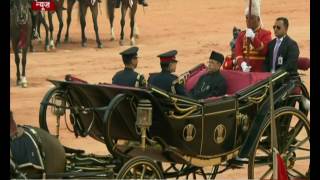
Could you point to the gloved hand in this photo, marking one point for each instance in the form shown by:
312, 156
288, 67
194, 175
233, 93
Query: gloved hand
249, 33
234, 61
245, 67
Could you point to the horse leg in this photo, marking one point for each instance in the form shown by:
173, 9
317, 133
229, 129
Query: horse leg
24, 82
38, 23
46, 27
124, 7
110, 6
70, 4
51, 30
17, 61
59, 15
94, 12
83, 12
132, 23
136, 31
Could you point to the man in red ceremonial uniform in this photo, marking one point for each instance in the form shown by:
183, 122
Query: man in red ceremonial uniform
258, 38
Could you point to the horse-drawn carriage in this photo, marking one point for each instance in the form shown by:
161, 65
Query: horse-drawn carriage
155, 134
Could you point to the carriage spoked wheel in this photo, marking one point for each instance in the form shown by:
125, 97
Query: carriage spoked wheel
140, 167
109, 140
293, 146
173, 170
54, 114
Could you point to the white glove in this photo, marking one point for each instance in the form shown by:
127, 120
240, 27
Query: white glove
245, 67
234, 61
249, 33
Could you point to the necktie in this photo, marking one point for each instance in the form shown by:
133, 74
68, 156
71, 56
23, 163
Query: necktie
275, 52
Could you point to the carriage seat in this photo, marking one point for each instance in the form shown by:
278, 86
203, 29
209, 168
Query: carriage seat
236, 80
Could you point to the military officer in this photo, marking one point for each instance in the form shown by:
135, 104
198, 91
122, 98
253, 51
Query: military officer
165, 79
252, 59
128, 77
212, 83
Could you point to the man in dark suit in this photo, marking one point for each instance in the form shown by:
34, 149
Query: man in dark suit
165, 79
128, 77
283, 52
212, 83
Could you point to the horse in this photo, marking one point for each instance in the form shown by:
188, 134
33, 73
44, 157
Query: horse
34, 153
125, 4
20, 35
83, 6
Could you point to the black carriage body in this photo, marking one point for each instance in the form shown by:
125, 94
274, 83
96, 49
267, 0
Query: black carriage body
204, 129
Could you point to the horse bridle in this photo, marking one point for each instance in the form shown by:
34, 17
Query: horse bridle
23, 10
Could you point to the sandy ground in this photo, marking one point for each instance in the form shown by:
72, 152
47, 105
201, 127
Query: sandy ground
192, 27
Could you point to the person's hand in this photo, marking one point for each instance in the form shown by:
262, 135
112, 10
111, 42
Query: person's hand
234, 61
249, 33
245, 67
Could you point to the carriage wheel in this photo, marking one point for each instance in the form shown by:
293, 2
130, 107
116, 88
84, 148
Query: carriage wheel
294, 147
306, 94
108, 139
52, 118
140, 167
173, 170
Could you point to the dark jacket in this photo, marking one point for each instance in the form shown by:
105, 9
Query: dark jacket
209, 84
128, 77
164, 80
287, 57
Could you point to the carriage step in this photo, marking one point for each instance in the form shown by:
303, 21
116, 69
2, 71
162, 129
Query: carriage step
78, 174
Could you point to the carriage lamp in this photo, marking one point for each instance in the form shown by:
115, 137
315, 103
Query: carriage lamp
58, 110
144, 119
59, 104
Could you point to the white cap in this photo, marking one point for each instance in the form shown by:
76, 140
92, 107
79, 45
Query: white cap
255, 8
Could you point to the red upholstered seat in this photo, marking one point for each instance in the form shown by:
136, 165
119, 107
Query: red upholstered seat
236, 80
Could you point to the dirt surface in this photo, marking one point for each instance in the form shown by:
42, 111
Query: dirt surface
192, 27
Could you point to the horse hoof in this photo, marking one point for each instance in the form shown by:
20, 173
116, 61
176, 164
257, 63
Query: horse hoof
66, 40
84, 44
121, 42
24, 85
58, 44
47, 48
52, 44
19, 82
24, 82
112, 38
133, 42
100, 46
